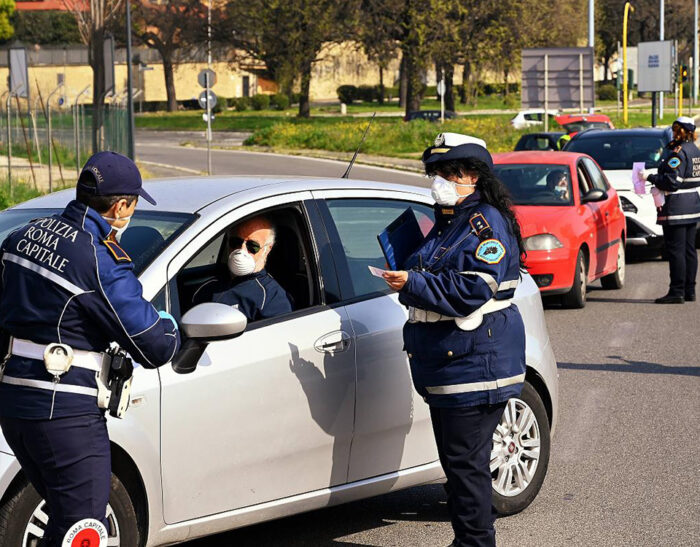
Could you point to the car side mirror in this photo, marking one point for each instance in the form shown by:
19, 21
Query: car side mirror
594, 195
202, 324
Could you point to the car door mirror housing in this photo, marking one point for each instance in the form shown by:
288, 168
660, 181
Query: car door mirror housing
594, 195
212, 321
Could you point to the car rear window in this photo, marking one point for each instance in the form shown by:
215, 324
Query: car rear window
149, 232
619, 151
534, 183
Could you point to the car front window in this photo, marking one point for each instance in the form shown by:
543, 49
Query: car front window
536, 184
149, 232
616, 151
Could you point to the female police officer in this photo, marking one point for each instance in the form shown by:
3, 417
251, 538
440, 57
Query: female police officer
464, 337
678, 179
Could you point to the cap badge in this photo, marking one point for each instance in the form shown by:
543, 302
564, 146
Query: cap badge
440, 139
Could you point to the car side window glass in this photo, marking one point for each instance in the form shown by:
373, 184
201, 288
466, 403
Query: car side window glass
584, 184
291, 283
358, 223
596, 176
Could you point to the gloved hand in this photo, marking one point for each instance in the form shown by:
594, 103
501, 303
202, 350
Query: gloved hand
166, 315
644, 173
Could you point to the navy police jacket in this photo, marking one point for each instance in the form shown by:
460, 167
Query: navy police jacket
257, 296
469, 258
679, 177
63, 279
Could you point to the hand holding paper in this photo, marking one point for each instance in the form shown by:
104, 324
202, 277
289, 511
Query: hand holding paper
638, 177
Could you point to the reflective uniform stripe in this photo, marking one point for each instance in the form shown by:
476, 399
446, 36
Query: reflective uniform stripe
476, 386
689, 179
49, 386
509, 285
43, 272
90, 360
679, 217
684, 191
490, 280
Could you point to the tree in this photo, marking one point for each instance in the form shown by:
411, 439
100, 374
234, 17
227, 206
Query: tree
377, 29
171, 28
288, 36
46, 27
93, 27
7, 8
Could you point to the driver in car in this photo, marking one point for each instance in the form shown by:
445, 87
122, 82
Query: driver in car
250, 288
558, 184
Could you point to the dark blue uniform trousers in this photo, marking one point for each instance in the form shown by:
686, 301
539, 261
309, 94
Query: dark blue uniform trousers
68, 461
682, 258
464, 439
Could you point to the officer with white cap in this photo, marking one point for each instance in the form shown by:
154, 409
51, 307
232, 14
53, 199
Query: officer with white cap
464, 337
678, 181
67, 292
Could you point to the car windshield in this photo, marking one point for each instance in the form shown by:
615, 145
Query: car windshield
575, 127
149, 232
613, 150
537, 184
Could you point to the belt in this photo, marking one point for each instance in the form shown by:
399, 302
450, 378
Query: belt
470, 322
90, 360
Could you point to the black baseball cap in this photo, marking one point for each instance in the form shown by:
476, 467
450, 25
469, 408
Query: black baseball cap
113, 174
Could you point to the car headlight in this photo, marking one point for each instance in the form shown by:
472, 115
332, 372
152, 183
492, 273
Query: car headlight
542, 242
627, 205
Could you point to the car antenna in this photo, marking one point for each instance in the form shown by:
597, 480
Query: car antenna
352, 161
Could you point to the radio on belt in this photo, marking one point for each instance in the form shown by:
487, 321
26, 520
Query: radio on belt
114, 381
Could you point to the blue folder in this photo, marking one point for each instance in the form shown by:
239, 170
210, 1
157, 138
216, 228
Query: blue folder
400, 239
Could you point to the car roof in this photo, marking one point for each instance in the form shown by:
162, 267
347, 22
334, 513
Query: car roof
538, 156
593, 133
568, 118
191, 194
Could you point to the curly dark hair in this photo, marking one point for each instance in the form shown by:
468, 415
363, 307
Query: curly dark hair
492, 191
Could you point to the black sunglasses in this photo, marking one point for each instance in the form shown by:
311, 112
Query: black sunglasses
252, 246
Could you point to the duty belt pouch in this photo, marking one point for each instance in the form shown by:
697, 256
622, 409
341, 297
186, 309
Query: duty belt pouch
114, 382
4, 350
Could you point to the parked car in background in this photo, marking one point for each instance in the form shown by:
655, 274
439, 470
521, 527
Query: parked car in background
573, 123
287, 414
530, 118
539, 141
430, 115
615, 151
573, 234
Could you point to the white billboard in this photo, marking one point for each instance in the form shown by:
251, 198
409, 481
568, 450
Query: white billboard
655, 66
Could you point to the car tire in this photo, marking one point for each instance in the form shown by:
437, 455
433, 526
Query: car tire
616, 280
22, 512
576, 297
520, 456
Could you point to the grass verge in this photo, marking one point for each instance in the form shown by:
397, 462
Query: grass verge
21, 191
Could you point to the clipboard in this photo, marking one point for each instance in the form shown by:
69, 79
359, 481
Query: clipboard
400, 239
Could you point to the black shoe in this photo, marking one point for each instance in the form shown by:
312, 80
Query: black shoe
690, 297
670, 299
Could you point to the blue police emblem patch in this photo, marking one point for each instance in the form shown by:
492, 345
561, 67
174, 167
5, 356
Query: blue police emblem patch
491, 251
674, 162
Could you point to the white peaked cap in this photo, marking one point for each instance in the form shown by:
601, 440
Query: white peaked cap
685, 119
456, 139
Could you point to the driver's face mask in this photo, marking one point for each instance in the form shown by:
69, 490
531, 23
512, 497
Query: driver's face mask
559, 191
241, 263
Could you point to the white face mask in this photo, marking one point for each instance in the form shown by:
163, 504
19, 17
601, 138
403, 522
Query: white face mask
444, 191
241, 263
118, 231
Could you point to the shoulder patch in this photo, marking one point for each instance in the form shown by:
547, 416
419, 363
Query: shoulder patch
118, 253
490, 251
674, 162
480, 226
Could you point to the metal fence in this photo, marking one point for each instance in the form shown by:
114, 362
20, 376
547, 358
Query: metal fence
48, 147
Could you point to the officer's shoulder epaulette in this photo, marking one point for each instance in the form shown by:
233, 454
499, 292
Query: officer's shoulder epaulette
116, 251
480, 225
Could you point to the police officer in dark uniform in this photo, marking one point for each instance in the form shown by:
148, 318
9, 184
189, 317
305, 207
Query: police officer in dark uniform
465, 338
67, 292
251, 288
678, 179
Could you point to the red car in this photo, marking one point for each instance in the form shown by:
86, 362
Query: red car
573, 123
571, 221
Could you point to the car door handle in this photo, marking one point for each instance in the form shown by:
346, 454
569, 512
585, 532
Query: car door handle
333, 342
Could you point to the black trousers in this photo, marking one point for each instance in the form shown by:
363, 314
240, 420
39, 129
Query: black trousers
464, 440
68, 461
682, 258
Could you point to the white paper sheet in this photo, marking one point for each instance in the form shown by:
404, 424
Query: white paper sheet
637, 180
377, 272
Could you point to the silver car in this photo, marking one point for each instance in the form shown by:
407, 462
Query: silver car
290, 414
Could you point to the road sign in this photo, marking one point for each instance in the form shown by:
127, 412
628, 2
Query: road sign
206, 119
202, 77
203, 99
441, 87
655, 66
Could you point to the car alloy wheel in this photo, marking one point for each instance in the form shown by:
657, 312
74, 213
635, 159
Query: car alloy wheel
516, 449
616, 280
37, 524
520, 452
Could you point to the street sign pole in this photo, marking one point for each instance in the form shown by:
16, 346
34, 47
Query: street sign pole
208, 127
441, 91
661, 38
129, 91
